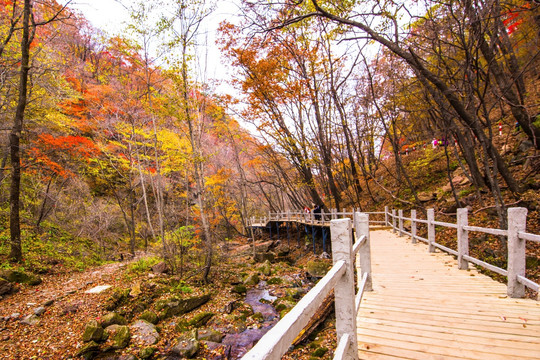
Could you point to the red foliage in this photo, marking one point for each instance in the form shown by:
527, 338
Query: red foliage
50, 152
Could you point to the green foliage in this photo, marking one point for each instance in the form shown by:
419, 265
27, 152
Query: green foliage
466, 192
143, 265
181, 287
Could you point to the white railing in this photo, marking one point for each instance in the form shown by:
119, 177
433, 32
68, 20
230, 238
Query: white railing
516, 236
340, 278
310, 217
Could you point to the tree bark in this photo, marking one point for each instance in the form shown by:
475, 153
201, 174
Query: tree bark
15, 138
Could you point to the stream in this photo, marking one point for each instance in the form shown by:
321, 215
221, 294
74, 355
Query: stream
241, 343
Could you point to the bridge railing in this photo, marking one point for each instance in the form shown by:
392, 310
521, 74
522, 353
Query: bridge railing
339, 278
323, 218
515, 234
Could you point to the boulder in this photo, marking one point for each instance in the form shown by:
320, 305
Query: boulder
127, 357
147, 353
149, 316
231, 306
426, 196
160, 268
145, 332
525, 146
317, 268
93, 332
118, 297
30, 320
70, 309
20, 277
39, 311
135, 290
239, 289
5, 286
209, 335
324, 255
186, 347
88, 351
264, 246
201, 319
217, 351
262, 257
113, 318
251, 280
296, 292
122, 337
266, 268
178, 306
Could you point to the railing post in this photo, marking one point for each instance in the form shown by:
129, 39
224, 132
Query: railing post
361, 226
431, 229
413, 226
394, 221
344, 291
462, 238
400, 215
517, 221
386, 223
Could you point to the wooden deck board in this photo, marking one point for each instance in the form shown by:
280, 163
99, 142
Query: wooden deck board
423, 307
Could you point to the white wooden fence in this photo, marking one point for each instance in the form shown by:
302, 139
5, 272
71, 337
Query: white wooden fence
340, 278
516, 236
312, 218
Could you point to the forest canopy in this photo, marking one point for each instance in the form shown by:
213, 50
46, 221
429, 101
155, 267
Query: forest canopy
110, 144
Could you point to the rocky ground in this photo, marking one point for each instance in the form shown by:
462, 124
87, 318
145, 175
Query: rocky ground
114, 312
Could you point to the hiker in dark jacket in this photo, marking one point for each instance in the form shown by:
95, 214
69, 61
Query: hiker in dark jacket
317, 211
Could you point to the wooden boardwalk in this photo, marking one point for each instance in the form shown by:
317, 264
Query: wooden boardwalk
423, 307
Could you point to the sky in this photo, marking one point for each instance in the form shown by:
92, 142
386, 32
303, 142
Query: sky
110, 16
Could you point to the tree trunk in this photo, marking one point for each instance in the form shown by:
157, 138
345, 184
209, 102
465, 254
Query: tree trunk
15, 139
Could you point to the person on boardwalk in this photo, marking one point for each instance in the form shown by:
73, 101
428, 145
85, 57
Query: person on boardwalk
317, 212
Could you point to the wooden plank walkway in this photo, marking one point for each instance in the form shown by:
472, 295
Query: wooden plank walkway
423, 307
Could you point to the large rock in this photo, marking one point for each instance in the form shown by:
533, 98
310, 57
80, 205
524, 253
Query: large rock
209, 335
266, 268
178, 306
145, 332
121, 338
88, 351
262, 257
147, 353
426, 196
525, 146
149, 316
118, 297
5, 287
20, 277
318, 268
30, 320
93, 332
39, 311
251, 280
161, 268
186, 347
201, 319
113, 318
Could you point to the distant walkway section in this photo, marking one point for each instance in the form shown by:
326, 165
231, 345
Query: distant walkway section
423, 307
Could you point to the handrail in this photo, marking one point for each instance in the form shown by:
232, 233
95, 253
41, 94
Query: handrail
276, 342
517, 237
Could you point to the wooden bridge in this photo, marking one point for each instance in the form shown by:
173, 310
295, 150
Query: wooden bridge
424, 304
